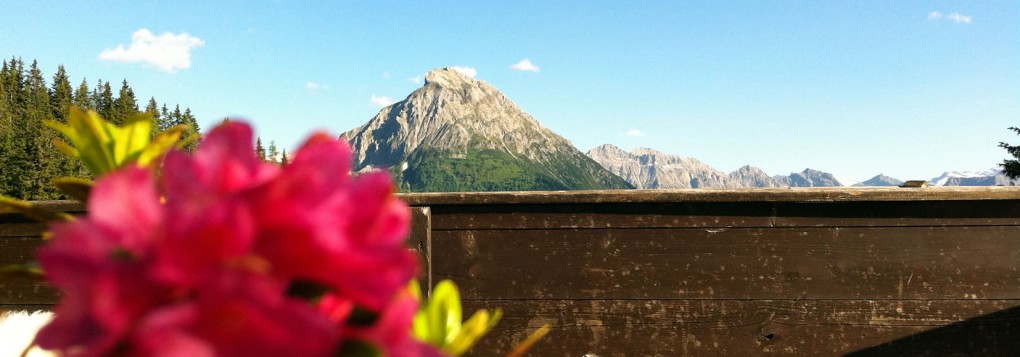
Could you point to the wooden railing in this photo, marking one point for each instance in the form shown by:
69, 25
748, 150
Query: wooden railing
920, 271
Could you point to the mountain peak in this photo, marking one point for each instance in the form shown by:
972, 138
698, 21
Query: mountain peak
457, 133
447, 77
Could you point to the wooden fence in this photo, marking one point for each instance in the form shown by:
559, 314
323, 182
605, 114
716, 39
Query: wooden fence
919, 271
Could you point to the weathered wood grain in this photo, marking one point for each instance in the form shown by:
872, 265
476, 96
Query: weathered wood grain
23, 291
929, 271
743, 263
812, 194
18, 250
8, 230
59, 206
728, 214
420, 239
756, 327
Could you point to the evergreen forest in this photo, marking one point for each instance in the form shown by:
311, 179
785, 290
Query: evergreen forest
28, 158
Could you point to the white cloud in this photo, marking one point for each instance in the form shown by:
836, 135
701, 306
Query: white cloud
315, 86
634, 132
957, 18
467, 71
524, 65
381, 101
954, 17
167, 52
415, 79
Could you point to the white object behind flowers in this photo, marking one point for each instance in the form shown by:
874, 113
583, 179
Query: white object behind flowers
18, 328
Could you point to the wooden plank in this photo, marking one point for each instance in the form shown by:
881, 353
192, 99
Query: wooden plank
812, 194
60, 206
897, 213
755, 327
728, 214
18, 250
8, 230
744, 263
597, 216
23, 291
20, 307
420, 240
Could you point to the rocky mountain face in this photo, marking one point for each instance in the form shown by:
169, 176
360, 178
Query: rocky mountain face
808, 178
647, 168
750, 176
880, 180
460, 134
992, 177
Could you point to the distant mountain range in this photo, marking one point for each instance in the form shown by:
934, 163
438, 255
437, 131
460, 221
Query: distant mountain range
880, 180
650, 169
992, 177
456, 133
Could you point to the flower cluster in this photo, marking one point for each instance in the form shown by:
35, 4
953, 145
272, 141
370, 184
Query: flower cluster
224, 255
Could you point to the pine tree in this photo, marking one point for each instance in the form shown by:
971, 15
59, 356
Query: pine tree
125, 105
152, 109
1011, 167
273, 153
6, 128
165, 120
82, 98
284, 160
191, 123
259, 150
44, 161
61, 95
102, 101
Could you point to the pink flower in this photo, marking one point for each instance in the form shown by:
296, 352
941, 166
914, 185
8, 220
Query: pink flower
99, 264
316, 224
210, 271
237, 314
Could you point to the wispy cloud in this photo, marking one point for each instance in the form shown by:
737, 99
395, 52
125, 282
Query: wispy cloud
634, 133
954, 17
524, 65
467, 71
314, 86
381, 101
167, 52
415, 79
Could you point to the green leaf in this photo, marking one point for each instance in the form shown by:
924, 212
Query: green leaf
525, 345
76, 188
473, 329
438, 321
160, 144
26, 208
444, 313
103, 147
30, 270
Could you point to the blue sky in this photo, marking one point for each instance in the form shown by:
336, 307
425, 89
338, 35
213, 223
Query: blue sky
856, 88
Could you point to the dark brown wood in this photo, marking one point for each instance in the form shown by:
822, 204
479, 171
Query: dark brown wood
728, 214
18, 250
812, 194
832, 271
755, 327
420, 240
22, 307
24, 291
726, 263
61, 206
